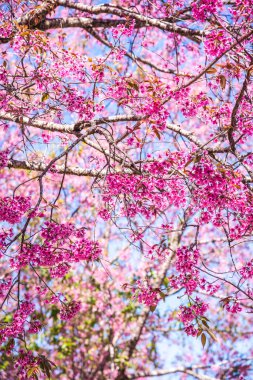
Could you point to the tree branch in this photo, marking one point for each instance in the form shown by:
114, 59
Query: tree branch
34, 16
235, 109
66, 128
60, 169
78, 127
124, 12
186, 370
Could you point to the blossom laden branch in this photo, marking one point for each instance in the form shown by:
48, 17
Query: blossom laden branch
123, 12
59, 169
34, 17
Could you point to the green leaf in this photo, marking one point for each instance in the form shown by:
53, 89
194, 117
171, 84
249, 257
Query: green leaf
212, 335
189, 162
197, 159
47, 369
52, 363
152, 308
45, 96
205, 324
46, 365
162, 295
205, 318
133, 84
32, 372
223, 82
212, 70
157, 133
166, 281
203, 340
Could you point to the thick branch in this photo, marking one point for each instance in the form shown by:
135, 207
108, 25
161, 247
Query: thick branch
66, 128
124, 12
38, 14
191, 370
60, 169
80, 22
34, 17
186, 370
190, 136
85, 22
78, 127
235, 109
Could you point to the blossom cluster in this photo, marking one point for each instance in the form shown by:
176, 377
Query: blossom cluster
145, 195
202, 9
5, 284
62, 244
189, 313
123, 30
247, 270
13, 209
217, 42
146, 294
19, 321
4, 158
188, 276
69, 310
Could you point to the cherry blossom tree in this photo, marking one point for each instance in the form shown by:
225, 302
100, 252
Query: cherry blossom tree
126, 203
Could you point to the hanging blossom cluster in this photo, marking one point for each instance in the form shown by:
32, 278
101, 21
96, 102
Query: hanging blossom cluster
27, 365
4, 236
207, 181
216, 189
6, 27
25, 360
195, 312
69, 310
19, 322
146, 294
144, 195
233, 307
247, 271
123, 30
5, 284
25, 319
128, 91
217, 42
3, 156
188, 275
202, 9
186, 260
62, 244
13, 209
